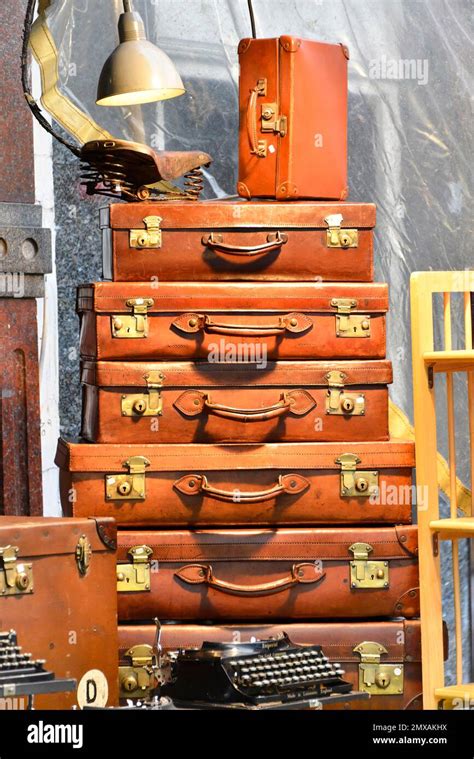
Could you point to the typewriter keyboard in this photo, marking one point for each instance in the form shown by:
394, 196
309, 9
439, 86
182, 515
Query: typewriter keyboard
18, 666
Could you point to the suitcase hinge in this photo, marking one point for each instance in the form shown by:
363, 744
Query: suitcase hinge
128, 487
374, 677
136, 325
365, 573
338, 401
150, 237
356, 483
16, 577
149, 403
271, 122
139, 678
347, 324
135, 577
337, 237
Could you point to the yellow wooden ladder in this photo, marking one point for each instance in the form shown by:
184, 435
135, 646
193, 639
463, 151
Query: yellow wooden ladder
428, 362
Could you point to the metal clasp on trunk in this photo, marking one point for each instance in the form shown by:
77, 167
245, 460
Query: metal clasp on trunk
377, 678
128, 487
135, 577
136, 325
271, 122
365, 573
338, 401
149, 403
356, 483
150, 237
348, 324
138, 679
337, 237
16, 578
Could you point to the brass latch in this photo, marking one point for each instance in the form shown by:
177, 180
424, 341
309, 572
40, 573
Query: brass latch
150, 237
128, 487
149, 403
83, 554
271, 122
135, 325
365, 573
374, 677
339, 401
16, 577
337, 237
348, 324
356, 483
135, 577
139, 678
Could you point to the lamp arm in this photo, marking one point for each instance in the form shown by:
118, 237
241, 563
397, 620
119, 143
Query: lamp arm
35, 109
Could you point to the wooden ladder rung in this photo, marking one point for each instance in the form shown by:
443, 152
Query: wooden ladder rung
450, 529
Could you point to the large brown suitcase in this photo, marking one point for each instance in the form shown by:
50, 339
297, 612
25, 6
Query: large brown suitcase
238, 485
268, 574
236, 322
293, 119
381, 658
200, 402
58, 591
225, 240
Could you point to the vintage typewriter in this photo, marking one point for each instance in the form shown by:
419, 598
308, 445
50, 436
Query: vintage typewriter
266, 672
21, 675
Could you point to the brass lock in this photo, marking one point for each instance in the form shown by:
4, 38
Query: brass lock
378, 678
149, 403
356, 482
83, 554
130, 486
271, 122
339, 402
337, 237
139, 678
16, 577
366, 573
347, 323
135, 325
150, 237
135, 577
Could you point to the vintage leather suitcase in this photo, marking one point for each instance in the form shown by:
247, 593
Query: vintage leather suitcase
381, 658
238, 322
225, 240
201, 402
293, 119
268, 574
57, 590
265, 485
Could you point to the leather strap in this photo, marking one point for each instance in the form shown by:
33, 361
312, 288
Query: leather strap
198, 484
294, 322
275, 242
203, 574
194, 402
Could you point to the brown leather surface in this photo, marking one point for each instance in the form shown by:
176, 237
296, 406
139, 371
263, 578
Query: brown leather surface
401, 639
207, 402
217, 575
203, 241
69, 619
245, 314
307, 81
238, 485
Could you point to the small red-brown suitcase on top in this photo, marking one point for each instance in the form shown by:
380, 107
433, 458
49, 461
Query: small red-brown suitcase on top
381, 658
237, 322
57, 591
202, 402
293, 119
225, 240
239, 485
338, 573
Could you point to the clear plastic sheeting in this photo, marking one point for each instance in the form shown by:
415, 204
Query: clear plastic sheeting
410, 124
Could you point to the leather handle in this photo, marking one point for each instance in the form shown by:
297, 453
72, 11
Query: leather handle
294, 322
203, 574
274, 242
198, 484
252, 122
194, 402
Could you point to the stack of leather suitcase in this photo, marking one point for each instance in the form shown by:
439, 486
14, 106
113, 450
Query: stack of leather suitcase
235, 403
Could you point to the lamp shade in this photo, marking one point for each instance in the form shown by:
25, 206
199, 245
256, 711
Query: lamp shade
137, 71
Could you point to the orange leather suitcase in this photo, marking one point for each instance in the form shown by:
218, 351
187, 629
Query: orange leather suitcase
227, 240
57, 591
201, 402
236, 322
380, 658
320, 573
238, 485
293, 119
